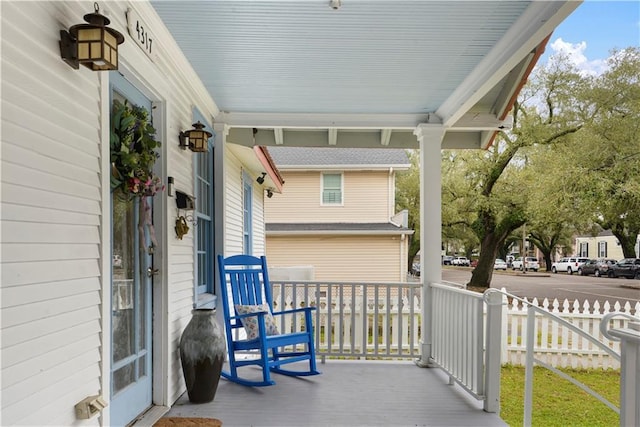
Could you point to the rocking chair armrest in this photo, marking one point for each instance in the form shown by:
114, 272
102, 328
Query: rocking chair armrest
254, 314
294, 310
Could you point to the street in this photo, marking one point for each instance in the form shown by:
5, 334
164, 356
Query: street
561, 286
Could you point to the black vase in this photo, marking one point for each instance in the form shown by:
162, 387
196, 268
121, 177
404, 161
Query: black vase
202, 353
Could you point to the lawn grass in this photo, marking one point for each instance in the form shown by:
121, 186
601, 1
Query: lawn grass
556, 401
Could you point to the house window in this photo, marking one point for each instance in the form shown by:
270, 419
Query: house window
584, 249
247, 215
331, 188
602, 249
203, 217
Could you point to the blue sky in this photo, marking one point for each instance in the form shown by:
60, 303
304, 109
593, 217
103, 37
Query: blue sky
593, 29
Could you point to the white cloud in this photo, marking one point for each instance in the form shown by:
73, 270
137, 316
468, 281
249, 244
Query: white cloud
575, 53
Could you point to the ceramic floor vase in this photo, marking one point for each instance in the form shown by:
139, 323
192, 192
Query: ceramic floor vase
202, 353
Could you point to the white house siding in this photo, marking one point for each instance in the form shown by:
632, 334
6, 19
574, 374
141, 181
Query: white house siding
339, 258
366, 199
55, 341
233, 205
50, 225
234, 225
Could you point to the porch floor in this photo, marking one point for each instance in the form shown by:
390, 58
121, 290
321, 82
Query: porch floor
347, 393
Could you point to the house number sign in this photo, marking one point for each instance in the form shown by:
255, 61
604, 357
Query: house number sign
141, 34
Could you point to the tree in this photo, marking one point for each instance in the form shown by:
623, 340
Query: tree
544, 114
408, 197
607, 167
553, 215
458, 205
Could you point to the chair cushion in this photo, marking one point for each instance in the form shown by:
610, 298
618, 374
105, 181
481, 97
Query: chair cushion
251, 323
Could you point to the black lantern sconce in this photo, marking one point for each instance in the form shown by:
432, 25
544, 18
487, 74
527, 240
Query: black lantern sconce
198, 139
93, 45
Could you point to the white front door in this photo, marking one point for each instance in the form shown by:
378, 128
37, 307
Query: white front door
131, 290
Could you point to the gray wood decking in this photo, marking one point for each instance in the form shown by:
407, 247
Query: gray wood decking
359, 393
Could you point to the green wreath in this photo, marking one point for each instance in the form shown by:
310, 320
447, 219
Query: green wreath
133, 151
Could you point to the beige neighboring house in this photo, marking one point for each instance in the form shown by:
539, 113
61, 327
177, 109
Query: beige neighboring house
604, 245
337, 220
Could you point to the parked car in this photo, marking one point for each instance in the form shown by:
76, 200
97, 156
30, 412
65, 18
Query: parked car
568, 264
530, 263
597, 267
500, 264
461, 261
446, 260
627, 267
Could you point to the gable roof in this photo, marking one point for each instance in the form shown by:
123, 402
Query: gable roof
287, 158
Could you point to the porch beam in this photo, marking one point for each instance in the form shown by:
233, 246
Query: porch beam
320, 138
430, 138
325, 120
483, 122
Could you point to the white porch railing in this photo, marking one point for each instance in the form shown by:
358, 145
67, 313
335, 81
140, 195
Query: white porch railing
534, 333
470, 333
382, 320
630, 369
356, 319
464, 345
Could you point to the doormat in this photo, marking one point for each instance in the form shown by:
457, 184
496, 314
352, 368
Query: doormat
187, 422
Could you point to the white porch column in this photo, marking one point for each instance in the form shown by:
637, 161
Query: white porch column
219, 203
430, 138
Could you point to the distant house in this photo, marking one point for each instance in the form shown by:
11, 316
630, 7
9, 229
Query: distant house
603, 245
337, 219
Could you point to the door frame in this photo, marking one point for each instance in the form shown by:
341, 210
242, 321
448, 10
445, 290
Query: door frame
159, 302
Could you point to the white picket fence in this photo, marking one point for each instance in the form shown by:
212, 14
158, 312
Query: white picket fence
557, 345
352, 323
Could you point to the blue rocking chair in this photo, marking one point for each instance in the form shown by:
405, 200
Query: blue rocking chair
247, 303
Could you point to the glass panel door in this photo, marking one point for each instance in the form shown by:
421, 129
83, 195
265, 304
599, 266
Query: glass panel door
131, 383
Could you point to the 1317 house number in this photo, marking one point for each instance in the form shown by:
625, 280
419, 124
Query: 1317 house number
140, 32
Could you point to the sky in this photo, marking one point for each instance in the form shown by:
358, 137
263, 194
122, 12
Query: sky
593, 30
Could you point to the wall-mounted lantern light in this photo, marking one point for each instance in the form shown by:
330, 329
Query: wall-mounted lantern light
93, 45
196, 139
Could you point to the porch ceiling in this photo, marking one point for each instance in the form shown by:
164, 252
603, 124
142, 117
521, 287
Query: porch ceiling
365, 74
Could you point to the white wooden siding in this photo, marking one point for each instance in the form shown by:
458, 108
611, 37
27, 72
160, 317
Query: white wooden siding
366, 198
53, 212
340, 258
51, 320
233, 205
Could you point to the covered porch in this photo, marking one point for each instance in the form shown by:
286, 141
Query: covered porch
424, 75
348, 393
